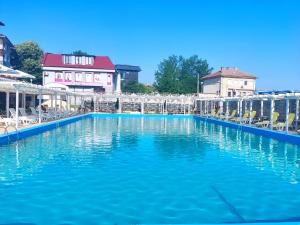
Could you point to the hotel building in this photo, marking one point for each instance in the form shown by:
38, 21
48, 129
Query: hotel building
81, 73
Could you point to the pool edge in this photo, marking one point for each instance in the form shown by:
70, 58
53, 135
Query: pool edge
280, 136
39, 128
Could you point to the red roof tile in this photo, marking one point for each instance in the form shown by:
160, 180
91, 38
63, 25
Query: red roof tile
229, 72
56, 60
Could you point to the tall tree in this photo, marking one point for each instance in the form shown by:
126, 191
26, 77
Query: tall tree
179, 75
28, 59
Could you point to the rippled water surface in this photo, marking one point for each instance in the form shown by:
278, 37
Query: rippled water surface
148, 170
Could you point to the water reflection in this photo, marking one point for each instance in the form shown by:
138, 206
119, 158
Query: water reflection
98, 139
263, 153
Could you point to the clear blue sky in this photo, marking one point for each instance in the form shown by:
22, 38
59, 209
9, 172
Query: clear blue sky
261, 37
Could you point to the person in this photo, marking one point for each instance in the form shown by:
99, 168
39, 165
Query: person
43, 108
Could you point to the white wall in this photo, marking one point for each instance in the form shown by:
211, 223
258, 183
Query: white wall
211, 86
242, 86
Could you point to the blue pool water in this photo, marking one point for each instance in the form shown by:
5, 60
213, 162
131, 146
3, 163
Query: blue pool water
130, 170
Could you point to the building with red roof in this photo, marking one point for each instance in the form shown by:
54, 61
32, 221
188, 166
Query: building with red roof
229, 82
82, 73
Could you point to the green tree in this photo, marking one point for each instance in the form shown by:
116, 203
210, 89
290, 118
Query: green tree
79, 52
28, 59
179, 75
132, 87
135, 87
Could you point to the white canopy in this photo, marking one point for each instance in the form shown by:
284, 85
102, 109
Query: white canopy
8, 72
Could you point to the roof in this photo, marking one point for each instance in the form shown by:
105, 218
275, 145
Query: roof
128, 68
229, 72
56, 60
6, 38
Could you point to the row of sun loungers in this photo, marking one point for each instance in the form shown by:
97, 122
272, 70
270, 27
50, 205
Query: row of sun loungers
33, 117
264, 123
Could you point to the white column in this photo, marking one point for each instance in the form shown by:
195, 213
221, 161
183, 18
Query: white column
55, 101
51, 97
297, 114
23, 100
241, 110
250, 110
142, 107
287, 111
118, 84
7, 104
272, 106
75, 103
95, 103
166, 109
40, 104
17, 108
70, 101
200, 107
227, 110
60, 102
261, 108
221, 106
120, 106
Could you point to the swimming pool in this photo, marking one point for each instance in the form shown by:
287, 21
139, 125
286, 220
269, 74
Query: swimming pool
126, 169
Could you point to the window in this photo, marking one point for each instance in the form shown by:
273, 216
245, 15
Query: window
77, 59
68, 76
90, 60
89, 77
78, 77
82, 60
67, 59
229, 93
58, 76
245, 83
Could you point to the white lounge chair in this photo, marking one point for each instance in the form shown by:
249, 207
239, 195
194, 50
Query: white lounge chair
44, 116
22, 119
7, 121
24, 114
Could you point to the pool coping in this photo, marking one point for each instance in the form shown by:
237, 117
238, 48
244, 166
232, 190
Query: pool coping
40, 128
36, 129
280, 136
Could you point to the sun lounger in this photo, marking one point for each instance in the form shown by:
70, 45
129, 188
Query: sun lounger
266, 123
44, 116
252, 116
22, 119
24, 114
213, 113
7, 121
231, 116
238, 119
281, 125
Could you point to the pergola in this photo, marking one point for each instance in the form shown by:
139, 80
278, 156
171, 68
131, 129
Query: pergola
270, 98
17, 87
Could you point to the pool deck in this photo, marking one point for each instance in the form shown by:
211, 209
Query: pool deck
33, 129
